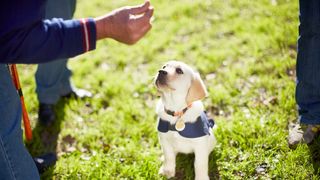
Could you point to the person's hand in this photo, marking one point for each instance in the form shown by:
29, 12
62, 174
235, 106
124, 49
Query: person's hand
127, 24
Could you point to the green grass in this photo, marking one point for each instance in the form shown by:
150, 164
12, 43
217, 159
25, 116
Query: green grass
245, 52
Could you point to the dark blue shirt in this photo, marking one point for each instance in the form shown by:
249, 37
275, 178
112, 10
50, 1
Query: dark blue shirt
25, 37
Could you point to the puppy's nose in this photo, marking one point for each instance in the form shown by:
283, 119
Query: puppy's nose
162, 72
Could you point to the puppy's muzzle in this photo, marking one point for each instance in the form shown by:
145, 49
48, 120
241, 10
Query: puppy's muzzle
162, 78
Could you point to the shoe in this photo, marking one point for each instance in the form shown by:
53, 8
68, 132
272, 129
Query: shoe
302, 133
45, 161
78, 93
46, 114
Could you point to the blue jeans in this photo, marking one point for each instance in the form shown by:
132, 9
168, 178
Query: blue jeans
308, 62
53, 78
15, 161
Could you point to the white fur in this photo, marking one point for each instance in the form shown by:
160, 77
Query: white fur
171, 142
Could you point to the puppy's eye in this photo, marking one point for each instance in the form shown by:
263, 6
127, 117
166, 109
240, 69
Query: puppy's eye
179, 71
163, 67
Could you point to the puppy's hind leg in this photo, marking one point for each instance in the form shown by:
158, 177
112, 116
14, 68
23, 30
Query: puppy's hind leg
168, 168
201, 164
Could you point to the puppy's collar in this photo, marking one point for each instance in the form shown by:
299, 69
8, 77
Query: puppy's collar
177, 113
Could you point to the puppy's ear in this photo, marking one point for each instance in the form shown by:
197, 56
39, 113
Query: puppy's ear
197, 90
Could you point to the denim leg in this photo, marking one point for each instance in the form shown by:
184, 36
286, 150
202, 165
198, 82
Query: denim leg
15, 161
50, 79
53, 78
66, 85
308, 62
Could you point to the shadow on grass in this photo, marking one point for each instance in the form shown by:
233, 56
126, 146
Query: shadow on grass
314, 149
45, 139
185, 166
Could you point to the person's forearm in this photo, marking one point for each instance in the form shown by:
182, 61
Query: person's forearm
102, 27
48, 40
43, 41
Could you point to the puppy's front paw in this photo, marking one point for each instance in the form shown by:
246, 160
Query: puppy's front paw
202, 177
168, 172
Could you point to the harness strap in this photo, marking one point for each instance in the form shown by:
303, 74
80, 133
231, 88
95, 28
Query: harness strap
15, 78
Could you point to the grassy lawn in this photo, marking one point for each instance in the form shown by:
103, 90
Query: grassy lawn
245, 52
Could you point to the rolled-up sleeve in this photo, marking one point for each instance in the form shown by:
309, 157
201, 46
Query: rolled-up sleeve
47, 40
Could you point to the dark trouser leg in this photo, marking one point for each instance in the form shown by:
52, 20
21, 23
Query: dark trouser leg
308, 62
15, 161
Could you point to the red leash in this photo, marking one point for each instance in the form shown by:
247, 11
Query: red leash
26, 121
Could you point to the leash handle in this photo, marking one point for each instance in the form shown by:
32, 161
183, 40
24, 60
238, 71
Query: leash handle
25, 117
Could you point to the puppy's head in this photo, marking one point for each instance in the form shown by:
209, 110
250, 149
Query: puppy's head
177, 77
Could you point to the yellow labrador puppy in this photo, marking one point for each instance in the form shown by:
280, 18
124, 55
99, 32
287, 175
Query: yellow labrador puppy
183, 126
